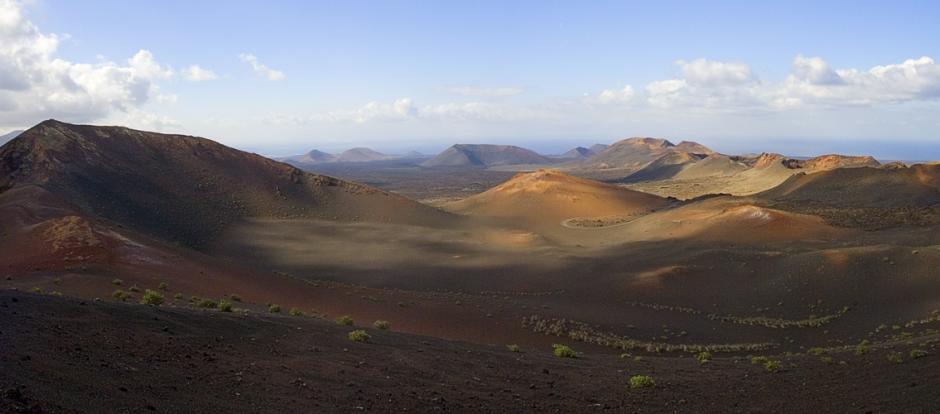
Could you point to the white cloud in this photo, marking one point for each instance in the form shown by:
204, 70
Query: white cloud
35, 84
732, 87
614, 96
404, 109
261, 69
196, 73
497, 92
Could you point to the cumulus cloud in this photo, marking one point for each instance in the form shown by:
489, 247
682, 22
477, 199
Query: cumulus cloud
196, 73
261, 69
496, 92
714, 86
35, 84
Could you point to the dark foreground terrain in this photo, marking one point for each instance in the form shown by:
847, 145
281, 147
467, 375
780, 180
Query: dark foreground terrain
71, 355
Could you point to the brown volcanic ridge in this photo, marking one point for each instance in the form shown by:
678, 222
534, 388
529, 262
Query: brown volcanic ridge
178, 188
549, 196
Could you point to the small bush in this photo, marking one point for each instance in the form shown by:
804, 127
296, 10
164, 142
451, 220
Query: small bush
816, 351
117, 282
895, 357
773, 366
163, 286
273, 308
225, 305
641, 381
120, 295
178, 296
36, 289
758, 360
862, 347
359, 336
134, 288
704, 357
564, 351
918, 353
344, 320
513, 348
383, 325
296, 312
206, 303
234, 298
152, 297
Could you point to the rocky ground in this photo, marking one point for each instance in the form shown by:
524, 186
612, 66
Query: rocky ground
71, 355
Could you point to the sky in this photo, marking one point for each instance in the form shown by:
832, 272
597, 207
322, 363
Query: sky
284, 77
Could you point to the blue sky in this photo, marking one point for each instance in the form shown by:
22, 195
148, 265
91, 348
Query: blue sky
285, 77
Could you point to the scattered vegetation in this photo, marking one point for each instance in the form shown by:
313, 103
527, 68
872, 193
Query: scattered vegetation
862, 347
564, 351
120, 295
152, 297
225, 305
895, 357
206, 303
36, 289
583, 332
344, 320
359, 336
383, 325
758, 360
296, 312
274, 308
163, 286
816, 351
773, 365
134, 288
918, 353
178, 296
513, 348
117, 282
641, 381
704, 357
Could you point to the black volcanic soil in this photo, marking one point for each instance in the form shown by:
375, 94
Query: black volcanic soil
68, 355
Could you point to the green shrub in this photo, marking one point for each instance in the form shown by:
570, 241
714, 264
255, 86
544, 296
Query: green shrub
513, 348
863, 347
152, 297
773, 366
134, 288
273, 308
359, 336
816, 351
918, 353
225, 305
234, 298
564, 351
162, 286
296, 312
704, 357
641, 381
120, 295
344, 320
36, 289
117, 282
178, 296
383, 325
758, 360
895, 357
206, 303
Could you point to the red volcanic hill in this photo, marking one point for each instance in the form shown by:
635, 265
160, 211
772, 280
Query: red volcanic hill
549, 196
180, 188
865, 187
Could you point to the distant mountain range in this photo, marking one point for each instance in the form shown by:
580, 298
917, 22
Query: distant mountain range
10, 135
358, 154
